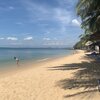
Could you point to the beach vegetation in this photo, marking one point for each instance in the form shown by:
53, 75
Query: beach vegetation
89, 12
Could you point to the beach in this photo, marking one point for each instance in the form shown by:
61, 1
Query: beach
46, 81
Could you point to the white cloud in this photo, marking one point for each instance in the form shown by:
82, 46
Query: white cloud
12, 38
76, 22
59, 17
28, 38
27, 33
55, 38
6, 8
1, 38
54, 43
46, 39
69, 3
19, 23
16, 43
11, 7
43, 12
62, 16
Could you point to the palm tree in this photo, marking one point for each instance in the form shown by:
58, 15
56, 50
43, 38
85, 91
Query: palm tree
83, 40
89, 11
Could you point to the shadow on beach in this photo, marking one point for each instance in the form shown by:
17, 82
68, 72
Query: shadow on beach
85, 77
84, 94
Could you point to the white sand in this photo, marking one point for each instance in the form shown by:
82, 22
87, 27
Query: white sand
38, 82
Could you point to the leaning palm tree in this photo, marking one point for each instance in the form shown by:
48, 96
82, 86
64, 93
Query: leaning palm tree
89, 11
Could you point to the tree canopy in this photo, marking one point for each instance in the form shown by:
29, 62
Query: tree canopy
89, 12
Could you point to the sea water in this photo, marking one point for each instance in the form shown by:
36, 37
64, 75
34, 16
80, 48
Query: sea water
26, 54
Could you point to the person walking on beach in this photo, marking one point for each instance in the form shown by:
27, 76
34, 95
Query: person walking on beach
17, 60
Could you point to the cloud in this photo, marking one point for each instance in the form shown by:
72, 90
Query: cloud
44, 13
55, 38
46, 39
28, 38
19, 23
56, 20
11, 7
69, 3
49, 39
76, 22
6, 8
54, 43
12, 38
1, 38
27, 34
62, 16
16, 43
59, 17
36, 11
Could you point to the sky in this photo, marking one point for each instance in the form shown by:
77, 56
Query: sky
39, 23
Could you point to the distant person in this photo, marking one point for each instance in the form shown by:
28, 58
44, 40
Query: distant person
17, 60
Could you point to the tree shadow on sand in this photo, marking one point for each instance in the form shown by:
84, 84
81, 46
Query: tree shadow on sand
86, 77
83, 93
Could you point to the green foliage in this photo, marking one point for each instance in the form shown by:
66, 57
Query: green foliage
83, 40
80, 45
89, 11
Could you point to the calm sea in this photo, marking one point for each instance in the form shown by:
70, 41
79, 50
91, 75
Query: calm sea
27, 54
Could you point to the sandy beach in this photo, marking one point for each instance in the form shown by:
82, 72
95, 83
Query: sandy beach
47, 80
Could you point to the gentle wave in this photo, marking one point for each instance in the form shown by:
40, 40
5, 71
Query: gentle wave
43, 59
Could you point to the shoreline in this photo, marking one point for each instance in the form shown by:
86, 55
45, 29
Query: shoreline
40, 81
31, 63
28, 54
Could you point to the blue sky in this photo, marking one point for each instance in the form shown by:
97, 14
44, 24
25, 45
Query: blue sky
38, 23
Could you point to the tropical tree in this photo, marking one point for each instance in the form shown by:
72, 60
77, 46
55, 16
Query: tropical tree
89, 11
83, 40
